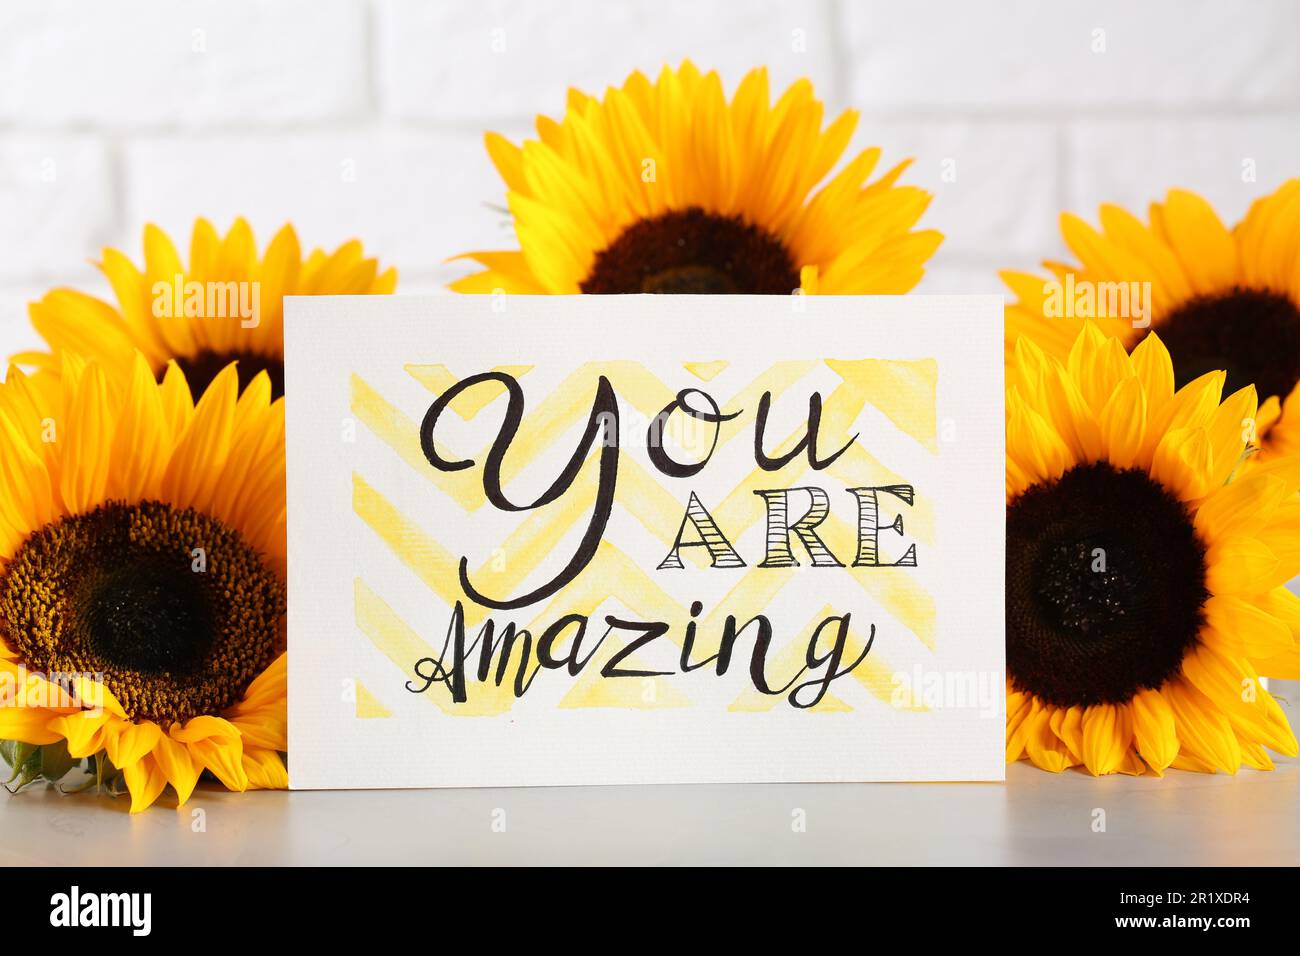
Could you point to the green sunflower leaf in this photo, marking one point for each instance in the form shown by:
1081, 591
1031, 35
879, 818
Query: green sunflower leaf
23, 760
56, 761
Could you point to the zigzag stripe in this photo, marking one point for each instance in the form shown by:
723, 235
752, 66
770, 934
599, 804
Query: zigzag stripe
437, 569
644, 497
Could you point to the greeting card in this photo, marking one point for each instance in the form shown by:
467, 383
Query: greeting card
644, 539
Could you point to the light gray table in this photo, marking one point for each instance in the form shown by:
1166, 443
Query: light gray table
1034, 818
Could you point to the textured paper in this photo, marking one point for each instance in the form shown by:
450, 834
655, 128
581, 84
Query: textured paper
378, 534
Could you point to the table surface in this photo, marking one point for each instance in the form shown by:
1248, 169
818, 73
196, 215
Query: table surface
1252, 818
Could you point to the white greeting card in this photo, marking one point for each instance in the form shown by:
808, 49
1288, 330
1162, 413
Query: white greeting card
644, 539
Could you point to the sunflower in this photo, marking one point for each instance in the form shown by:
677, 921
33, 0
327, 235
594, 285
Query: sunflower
226, 306
1220, 298
668, 187
1145, 589
142, 576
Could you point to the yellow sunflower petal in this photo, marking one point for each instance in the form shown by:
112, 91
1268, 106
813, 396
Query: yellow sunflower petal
1106, 738
140, 444
180, 769
1229, 430
88, 433
1235, 688
1123, 423
646, 152
268, 688
26, 496
1067, 724
83, 731
215, 744
196, 464
227, 303
1184, 462
1242, 508
1242, 566
1154, 729
266, 728
145, 781
1044, 749
1035, 446
1204, 734
1019, 708
1202, 243
29, 725
265, 770
1246, 624
128, 743
1097, 364
1154, 368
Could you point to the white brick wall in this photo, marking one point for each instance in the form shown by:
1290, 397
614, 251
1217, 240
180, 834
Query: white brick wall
130, 64
414, 195
1230, 160
57, 204
364, 117
1073, 54
478, 62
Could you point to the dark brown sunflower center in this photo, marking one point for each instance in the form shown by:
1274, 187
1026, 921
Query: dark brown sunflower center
149, 616
1105, 586
170, 609
202, 367
1253, 334
693, 251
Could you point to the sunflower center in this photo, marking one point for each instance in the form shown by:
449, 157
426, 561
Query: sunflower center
1251, 333
149, 616
170, 609
1105, 586
693, 251
202, 367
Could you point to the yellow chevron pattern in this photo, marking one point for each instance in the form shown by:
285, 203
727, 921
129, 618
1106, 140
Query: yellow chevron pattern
903, 391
